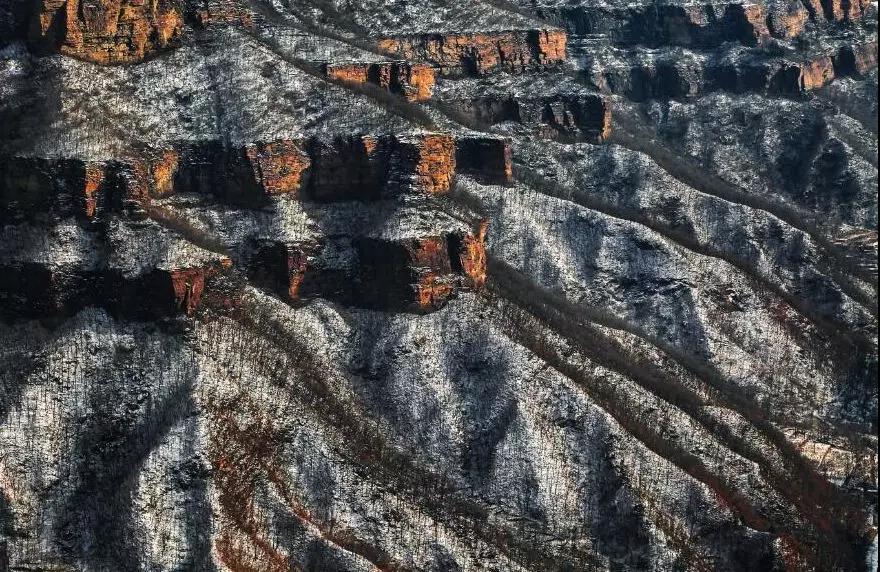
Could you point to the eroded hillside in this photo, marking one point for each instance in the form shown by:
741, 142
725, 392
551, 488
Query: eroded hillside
477, 285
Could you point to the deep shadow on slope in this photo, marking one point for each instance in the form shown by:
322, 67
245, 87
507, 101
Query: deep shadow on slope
95, 524
833, 520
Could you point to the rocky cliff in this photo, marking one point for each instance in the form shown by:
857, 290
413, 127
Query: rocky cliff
426, 285
105, 32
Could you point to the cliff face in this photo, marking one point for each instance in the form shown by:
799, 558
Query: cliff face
479, 54
413, 81
430, 285
106, 32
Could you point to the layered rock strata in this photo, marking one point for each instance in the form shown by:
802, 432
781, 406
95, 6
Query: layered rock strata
265, 307
415, 82
479, 54
707, 24
106, 31
342, 168
413, 274
149, 273
641, 76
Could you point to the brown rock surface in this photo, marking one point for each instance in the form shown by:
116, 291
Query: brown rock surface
93, 179
279, 167
429, 159
349, 72
817, 73
436, 164
471, 251
188, 285
151, 173
479, 54
106, 31
420, 80
164, 170
429, 260
282, 267
415, 82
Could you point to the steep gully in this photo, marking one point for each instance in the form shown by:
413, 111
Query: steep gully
822, 507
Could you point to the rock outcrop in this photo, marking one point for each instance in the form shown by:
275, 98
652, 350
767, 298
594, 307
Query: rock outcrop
106, 31
35, 290
157, 293
415, 82
479, 54
411, 274
343, 168
282, 267
57, 186
858, 59
425, 162
279, 300
279, 167
418, 274
589, 115
699, 25
469, 255
487, 159
640, 76
347, 168
220, 12
575, 114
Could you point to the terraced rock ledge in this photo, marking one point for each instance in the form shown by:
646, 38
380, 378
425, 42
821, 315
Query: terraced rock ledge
520, 285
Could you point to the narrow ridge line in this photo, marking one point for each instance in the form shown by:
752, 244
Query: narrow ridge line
711, 184
831, 327
509, 292
463, 513
388, 101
